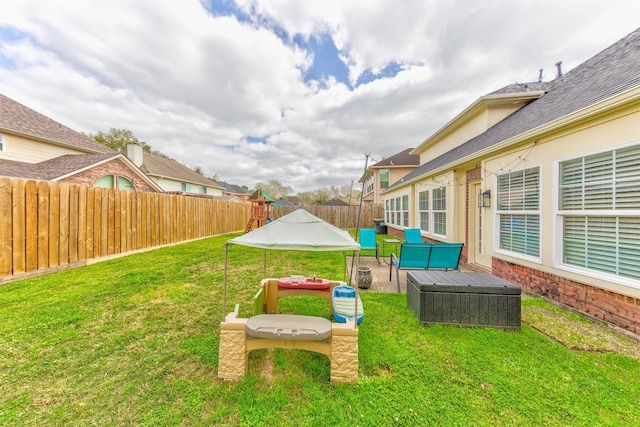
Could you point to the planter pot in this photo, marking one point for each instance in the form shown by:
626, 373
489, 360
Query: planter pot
364, 277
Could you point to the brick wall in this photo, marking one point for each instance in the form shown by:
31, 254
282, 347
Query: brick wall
614, 308
114, 167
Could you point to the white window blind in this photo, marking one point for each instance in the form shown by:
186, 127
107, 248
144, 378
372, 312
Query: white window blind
599, 200
518, 207
423, 210
439, 207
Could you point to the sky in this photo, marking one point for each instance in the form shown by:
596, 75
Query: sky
304, 92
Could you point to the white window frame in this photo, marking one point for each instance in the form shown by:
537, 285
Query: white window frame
397, 210
438, 210
433, 208
530, 212
560, 214
1, 142
368, 185
424, 210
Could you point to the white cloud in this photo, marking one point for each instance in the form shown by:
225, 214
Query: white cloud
194, 86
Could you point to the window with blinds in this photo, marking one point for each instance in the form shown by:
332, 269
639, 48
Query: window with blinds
439, 210
423, 210
518, 209
397, 210
599, 206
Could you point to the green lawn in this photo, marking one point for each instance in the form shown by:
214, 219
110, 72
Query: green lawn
134, 341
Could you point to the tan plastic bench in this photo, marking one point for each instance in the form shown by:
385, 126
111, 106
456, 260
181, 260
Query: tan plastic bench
239, 336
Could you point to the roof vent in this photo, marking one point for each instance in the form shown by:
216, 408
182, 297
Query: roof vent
540, 76
559, 67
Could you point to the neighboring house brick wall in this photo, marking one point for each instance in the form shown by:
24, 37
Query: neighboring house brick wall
113, 167
620, 310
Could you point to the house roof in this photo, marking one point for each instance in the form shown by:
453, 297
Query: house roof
52, 169
164, 167
232, 188
293, 199
13, 169
60, 167
22, 120
400, 159
284, 202
335, 202
609, 73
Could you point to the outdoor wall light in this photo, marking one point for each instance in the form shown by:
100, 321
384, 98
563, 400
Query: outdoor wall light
484, 199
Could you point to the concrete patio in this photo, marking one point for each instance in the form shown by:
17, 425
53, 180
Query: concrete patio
380, 275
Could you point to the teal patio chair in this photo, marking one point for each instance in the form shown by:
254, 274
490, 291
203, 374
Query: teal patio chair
412, 256
445, 256
412, 235
368, 241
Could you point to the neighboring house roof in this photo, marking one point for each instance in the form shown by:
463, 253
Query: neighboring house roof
14, 169
609, 73
293, 199
72, 163
335, 202
284, 202
19, 119
399, 160
61, 167
402, 158
232, 188
53, 169
164, 167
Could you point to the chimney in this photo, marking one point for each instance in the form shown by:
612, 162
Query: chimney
559, 67
540, 76
134, 153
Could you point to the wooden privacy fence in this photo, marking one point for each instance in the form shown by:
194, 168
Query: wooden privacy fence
344, 217
45, 225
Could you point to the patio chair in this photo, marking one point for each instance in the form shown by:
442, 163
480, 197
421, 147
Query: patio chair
445, 256
368, 241
412, 235
412, 256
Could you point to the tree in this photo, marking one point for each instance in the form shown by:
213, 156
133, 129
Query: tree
118, 139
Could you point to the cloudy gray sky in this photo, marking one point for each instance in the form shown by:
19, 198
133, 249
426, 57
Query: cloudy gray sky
296, 91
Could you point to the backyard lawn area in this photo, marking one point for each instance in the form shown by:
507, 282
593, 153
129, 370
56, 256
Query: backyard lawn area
134, 341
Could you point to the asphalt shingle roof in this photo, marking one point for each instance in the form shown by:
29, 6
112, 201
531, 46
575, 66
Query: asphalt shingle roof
402, 158
52, 169
611, 72
156, 165
232, 188
18, 118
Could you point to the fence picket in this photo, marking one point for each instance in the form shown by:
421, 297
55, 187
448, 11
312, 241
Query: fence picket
17, 229
6, 255
31, 224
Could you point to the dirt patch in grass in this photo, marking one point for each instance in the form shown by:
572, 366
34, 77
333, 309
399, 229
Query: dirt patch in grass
578, 332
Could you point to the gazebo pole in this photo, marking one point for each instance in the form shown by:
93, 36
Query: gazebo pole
366, 165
